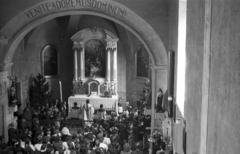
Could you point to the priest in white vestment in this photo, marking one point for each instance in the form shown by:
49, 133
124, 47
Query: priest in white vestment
88, 111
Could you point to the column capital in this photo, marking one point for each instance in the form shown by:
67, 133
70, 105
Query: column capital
111, 40
111, 49
111, 43
78, 45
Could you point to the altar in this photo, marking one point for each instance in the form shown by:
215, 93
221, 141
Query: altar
95, 69
108, 103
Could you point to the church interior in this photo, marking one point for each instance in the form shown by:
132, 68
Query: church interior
173, 61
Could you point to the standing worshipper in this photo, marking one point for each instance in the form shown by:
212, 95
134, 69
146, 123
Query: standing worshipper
63, 107
88, 111
12, 132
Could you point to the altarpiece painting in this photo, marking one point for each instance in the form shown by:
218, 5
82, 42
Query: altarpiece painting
142, 62
95, 57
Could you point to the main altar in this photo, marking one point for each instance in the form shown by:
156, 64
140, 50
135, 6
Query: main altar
95, 69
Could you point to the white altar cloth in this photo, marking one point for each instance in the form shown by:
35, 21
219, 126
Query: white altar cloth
108, 103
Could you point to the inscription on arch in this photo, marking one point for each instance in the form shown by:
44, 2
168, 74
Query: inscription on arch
74, 4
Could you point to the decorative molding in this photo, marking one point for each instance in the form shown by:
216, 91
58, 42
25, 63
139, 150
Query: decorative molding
159, 67
5, 67
3, 38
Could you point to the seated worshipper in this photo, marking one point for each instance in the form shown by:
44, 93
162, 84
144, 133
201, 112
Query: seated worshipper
161, 151
77, 148
65, 133
12, 132
24, 134
57, 143
89, 138
43, 148
94, 128
27, 114
55, 109
126, 149
29, 148
137, 149
75, 111
106, 139
113, 149
101, 113
101, 143
38, 145
17, 147
88, 112
47, 138
29, 135
131, 135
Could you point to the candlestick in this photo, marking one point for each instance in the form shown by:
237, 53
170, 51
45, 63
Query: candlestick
60, 86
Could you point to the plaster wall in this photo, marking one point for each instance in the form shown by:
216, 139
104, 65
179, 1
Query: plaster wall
224, 106
194, 63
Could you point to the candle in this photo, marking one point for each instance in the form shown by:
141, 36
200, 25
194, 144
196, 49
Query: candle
60, 86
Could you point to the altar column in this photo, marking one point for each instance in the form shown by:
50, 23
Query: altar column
112, 74
108, 72
81, 61
75, 59
114, 47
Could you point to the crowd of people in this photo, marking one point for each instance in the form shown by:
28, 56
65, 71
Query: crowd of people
120, 134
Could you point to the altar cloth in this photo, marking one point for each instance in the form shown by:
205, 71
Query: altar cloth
108, 103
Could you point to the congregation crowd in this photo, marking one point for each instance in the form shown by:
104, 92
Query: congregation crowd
120, 134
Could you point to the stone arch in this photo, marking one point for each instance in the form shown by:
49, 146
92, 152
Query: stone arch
128, 19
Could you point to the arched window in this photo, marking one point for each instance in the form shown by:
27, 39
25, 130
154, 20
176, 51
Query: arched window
50, 61
142, 62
